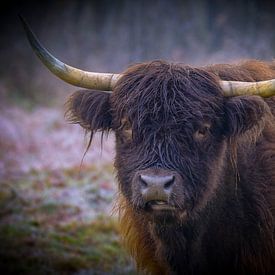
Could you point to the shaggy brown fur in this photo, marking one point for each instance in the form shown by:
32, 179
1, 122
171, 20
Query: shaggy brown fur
227, 174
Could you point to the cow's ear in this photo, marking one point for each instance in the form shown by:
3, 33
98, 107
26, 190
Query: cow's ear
244, 113
90, 109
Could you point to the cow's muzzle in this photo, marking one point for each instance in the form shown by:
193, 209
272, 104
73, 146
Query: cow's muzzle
155, 186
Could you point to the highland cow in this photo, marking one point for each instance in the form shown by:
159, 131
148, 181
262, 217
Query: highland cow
195, 164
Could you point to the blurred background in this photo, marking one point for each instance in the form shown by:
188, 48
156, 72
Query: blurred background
55, 203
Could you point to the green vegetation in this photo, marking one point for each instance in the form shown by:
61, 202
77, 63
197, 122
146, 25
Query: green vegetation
27, 248
40, 235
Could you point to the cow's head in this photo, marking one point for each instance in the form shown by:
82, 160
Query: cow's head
172, 126
172, 123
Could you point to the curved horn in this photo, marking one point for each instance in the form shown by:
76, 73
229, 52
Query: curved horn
235, 88
74, 76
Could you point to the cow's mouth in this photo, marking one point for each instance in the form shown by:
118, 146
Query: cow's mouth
159, 205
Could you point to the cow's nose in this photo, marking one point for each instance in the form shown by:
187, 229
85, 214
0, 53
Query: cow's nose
156, 187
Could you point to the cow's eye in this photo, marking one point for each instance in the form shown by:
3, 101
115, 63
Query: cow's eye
202, 131
126, 129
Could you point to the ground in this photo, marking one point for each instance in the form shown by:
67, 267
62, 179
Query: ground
56, 203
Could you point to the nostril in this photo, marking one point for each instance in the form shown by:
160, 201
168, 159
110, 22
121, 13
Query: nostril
143, 182
169, 183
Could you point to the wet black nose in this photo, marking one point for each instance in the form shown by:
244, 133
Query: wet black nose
156, 187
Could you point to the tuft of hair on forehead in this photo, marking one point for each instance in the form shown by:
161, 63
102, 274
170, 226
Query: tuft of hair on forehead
160, 90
